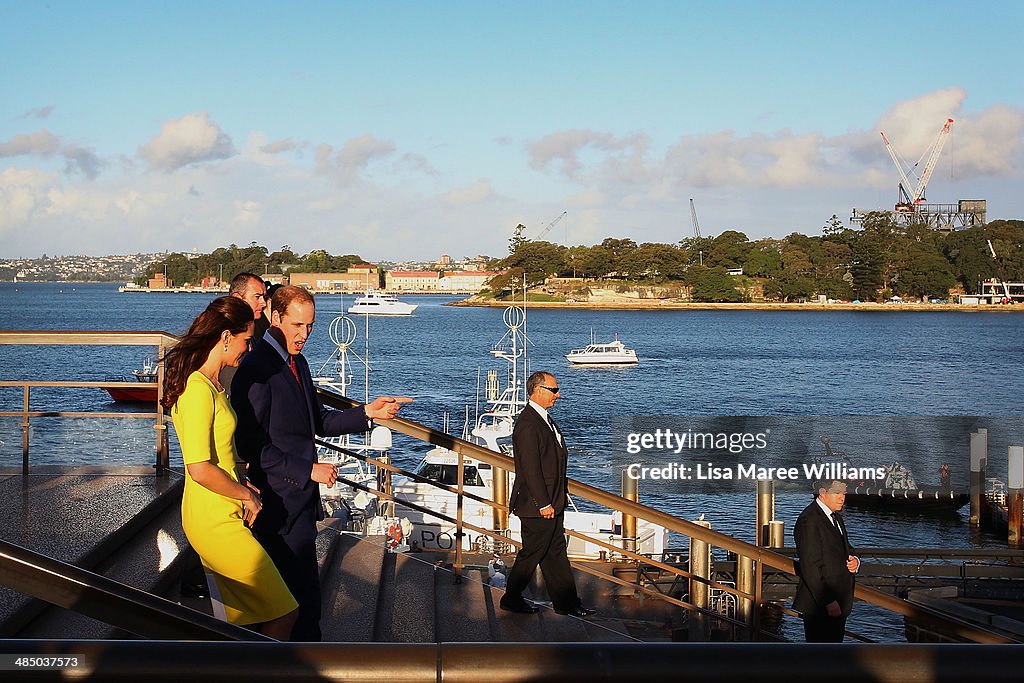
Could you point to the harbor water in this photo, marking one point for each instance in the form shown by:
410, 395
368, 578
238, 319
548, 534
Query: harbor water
883, 385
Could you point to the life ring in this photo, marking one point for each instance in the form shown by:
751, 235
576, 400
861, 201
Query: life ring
394, 535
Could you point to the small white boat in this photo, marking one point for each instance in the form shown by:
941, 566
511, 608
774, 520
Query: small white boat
376, 303
612, 353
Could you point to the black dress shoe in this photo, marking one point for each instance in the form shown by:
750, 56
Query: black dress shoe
581, 612
520, 608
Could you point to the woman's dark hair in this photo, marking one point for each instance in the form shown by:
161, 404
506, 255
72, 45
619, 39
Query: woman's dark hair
188, 355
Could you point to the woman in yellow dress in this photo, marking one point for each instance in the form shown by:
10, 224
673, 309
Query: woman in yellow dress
217, 508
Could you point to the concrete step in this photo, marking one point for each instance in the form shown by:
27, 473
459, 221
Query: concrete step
465, 611
405, 609
144, 550
510, 627
152, 560
351, 588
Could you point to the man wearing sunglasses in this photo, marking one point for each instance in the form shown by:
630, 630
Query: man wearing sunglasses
539, 498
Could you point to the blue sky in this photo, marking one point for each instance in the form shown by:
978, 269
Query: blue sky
405, 130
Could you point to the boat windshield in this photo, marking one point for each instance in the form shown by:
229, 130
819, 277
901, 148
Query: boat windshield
449, 474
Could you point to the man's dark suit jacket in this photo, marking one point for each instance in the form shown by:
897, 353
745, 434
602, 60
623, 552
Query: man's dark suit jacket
541, 464
823, 552
276, 423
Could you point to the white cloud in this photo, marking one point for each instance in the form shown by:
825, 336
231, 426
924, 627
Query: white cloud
22, 193
247, 213
191, 139
44, 144
568, 146
348, 163
415, 164
469, 194
38, 113
989, 142
367, 195
284, 145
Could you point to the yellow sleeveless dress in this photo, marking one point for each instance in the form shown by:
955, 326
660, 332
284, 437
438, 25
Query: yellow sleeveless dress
251, 588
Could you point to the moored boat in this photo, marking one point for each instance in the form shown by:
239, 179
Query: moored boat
377, 303
898, 489
145, 391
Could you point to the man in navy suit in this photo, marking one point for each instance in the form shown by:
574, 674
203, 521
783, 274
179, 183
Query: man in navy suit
538, 498
279, 413
827, 566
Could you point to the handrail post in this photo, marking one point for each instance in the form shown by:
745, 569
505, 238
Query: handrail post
700, 592
24, 434
458, 518
388, 507
499, 515
745, 585
630, 491
163, 449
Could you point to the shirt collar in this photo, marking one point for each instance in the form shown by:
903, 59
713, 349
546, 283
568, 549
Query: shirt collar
824, 507
543, 413
269, 338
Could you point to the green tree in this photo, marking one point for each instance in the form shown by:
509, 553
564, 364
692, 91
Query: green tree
925, 273
713, 285
729, 250
537, 260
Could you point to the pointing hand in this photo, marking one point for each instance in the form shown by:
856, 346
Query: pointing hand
385, 407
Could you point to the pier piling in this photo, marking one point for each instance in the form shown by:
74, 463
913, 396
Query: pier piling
765, 510
1015, 489
979, 462
776, 534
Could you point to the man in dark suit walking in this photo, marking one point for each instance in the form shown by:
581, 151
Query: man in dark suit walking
538, 498
279, 413
827, 565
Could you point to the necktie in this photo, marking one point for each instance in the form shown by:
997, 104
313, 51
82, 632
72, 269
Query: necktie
835, 520
551, 423
294, 368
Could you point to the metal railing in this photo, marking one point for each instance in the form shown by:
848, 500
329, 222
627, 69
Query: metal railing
161, 340
750, 559
96, 596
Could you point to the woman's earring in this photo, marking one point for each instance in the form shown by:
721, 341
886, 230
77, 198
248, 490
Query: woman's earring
225, 346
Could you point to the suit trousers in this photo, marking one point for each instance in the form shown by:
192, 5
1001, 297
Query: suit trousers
294, 555
544, 546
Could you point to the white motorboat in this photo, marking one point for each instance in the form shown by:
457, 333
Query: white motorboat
612, 353
377, 303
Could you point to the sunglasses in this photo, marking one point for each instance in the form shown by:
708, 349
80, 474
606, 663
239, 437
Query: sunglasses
552, 390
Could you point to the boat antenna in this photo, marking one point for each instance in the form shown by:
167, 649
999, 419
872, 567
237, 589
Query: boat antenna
526, 339
342, 332
476, 416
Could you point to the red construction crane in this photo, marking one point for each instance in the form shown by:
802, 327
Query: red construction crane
912, 194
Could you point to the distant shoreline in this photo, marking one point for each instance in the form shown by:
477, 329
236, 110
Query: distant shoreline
654, 305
